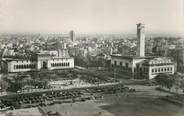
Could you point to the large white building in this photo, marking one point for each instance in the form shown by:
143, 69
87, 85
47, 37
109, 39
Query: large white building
141, 66
46, 60
153, 67
127, 65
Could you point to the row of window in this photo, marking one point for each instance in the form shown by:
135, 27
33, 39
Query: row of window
60, 64
163, 64
24, 66
23, 61
121, 64
145, 69
160, 70
160, 62
60, 59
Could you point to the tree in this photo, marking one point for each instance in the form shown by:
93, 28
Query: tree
3, 85
165, 80
182, 84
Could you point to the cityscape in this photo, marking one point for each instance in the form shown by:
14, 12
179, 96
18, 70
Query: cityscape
98, 74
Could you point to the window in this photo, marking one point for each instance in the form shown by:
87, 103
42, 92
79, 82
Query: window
155, 69
158, 69
115, 63
126, 65
120, 63
152, 70
165, 69
34, 65
162, 69
168, 69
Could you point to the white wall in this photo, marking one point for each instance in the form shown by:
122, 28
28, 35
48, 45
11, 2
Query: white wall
153, 75
124, 61
11, 65
62, 60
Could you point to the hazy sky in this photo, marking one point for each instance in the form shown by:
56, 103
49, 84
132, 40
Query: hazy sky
91, 16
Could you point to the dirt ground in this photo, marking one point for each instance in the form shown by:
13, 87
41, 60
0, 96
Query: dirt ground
144, 102
88, 108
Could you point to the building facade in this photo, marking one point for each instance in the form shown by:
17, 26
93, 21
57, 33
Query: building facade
179, 57
72, 35
141, 66
152, 67
17, 65
44, 61
130, 66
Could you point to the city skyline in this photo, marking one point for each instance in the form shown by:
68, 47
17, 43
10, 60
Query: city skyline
91, 16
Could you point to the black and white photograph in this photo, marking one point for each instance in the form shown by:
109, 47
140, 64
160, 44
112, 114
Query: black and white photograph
91, 57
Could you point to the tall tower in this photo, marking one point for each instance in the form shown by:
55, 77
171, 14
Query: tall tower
141, 40
72, 35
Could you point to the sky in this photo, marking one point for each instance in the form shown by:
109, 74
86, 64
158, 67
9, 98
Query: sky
91, 16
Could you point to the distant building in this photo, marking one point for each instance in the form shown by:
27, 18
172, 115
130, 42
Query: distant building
179, 57
72, 35
47, 60
160, 47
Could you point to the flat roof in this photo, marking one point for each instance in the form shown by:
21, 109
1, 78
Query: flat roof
61, 57
131, 56
16, 59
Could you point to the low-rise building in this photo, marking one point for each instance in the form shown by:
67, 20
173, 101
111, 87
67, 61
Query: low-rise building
130, 66
141, 67
44, 61
153, 67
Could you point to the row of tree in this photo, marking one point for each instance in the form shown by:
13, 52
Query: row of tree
170, 80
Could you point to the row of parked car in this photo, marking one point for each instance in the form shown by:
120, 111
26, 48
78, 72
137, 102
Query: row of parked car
59, 97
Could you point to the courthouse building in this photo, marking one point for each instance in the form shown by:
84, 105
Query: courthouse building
45, 60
